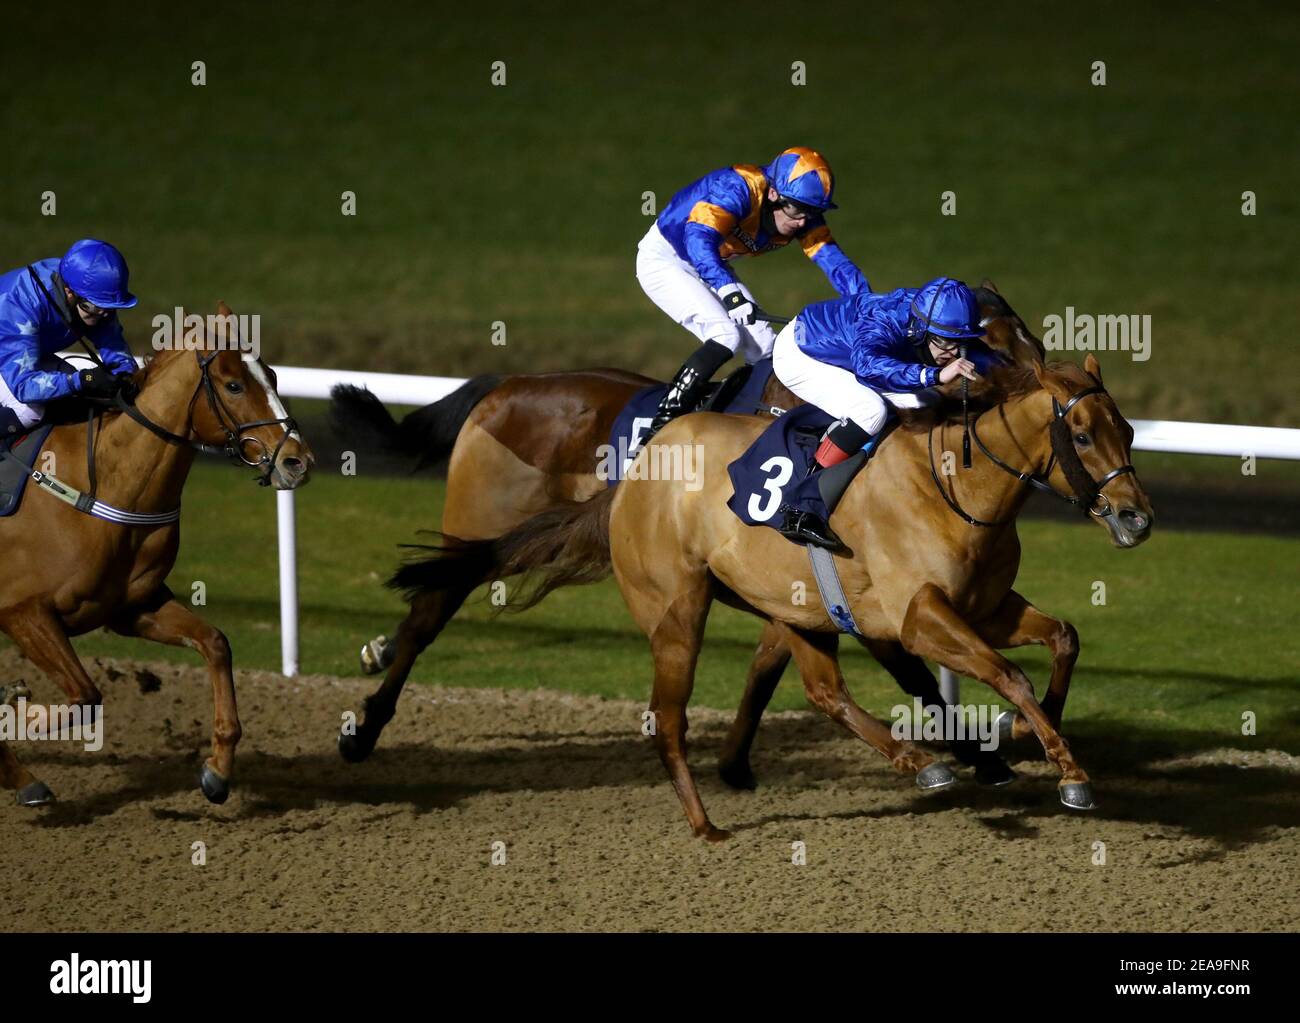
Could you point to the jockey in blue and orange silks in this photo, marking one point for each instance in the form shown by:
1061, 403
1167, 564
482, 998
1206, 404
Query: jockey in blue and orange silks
44, 308
682, 262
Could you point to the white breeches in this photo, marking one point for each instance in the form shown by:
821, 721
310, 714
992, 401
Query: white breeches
835, 390
675, 287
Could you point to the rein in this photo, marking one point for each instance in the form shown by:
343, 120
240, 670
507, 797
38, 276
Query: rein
1087, 491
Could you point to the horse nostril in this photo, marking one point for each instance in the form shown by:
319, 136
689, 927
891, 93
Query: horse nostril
1134, 521
294, 465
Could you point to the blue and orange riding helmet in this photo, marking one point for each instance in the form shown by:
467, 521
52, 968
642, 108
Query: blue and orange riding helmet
96, 271
947, 308
802, 175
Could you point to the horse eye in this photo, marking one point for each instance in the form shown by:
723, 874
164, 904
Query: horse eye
1081, 439
235, 387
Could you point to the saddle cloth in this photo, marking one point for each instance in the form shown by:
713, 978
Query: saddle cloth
740, 393
773, 473
15, 471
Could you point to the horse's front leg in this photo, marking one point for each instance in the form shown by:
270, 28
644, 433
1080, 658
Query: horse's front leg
1015, 623
933, 628
166, 620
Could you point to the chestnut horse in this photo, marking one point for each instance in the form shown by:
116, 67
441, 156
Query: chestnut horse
931, 566
526, 444
68, 572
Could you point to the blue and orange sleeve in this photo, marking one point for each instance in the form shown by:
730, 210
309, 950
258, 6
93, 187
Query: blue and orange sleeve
842, 272
711, 219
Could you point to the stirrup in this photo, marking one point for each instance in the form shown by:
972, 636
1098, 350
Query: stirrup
804, 527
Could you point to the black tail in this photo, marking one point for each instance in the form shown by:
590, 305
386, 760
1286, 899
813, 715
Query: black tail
563, 546
427, 434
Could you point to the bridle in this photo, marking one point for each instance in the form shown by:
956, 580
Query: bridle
234, 430
1087, 494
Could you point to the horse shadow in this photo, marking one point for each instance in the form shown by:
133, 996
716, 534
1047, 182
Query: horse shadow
1141, 776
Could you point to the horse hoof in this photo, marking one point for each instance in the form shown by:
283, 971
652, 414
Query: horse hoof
934, 776
1077, 795
215, 787
35, 794
994, 773
353, 748
713, 834
1006, 724
373, 656
738, 776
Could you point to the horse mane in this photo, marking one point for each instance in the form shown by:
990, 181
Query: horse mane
1005, 383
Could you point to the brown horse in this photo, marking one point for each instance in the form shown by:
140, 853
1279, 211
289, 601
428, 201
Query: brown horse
68, 572
931, 568
525, 444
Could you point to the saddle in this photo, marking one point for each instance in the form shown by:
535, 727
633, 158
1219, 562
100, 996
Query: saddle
16, 462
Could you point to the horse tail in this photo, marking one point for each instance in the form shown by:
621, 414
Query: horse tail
567, 545
427, 434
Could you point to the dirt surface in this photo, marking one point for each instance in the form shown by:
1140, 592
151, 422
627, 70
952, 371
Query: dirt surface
594, 836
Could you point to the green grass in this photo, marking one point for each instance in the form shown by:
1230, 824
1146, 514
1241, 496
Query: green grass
522, 203
1196, 629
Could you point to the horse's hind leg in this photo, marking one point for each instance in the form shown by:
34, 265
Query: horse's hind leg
40, 636
770, 660
818, 658
430, 611
170, 622
915, 678
675, 644
933, 628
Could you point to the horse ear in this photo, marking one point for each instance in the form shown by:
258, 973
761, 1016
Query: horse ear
1093, 367
986, 283
1050, 381
223, 309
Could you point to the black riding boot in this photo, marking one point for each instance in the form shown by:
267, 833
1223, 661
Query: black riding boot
688, 386
837, 459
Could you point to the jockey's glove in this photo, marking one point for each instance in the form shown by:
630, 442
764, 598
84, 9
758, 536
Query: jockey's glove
98, 382
740, 307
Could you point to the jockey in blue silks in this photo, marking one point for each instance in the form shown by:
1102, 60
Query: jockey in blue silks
45, 308
682, 262
855, 357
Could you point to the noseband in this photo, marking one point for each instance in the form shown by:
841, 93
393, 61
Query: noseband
230, 426
1087, 492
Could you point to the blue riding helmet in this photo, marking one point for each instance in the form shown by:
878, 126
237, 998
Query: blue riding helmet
96, 271
803, 175
945, 307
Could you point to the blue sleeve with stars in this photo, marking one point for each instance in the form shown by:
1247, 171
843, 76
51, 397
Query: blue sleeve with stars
113, 349
20, 356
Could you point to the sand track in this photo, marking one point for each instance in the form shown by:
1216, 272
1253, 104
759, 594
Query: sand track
595, 838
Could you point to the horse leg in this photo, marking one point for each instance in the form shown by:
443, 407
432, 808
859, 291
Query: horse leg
41, 638
933, 628
675, 645
13, 775
430, 611
765, 671
1016, 623
817, 654
915, 678
166, 620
